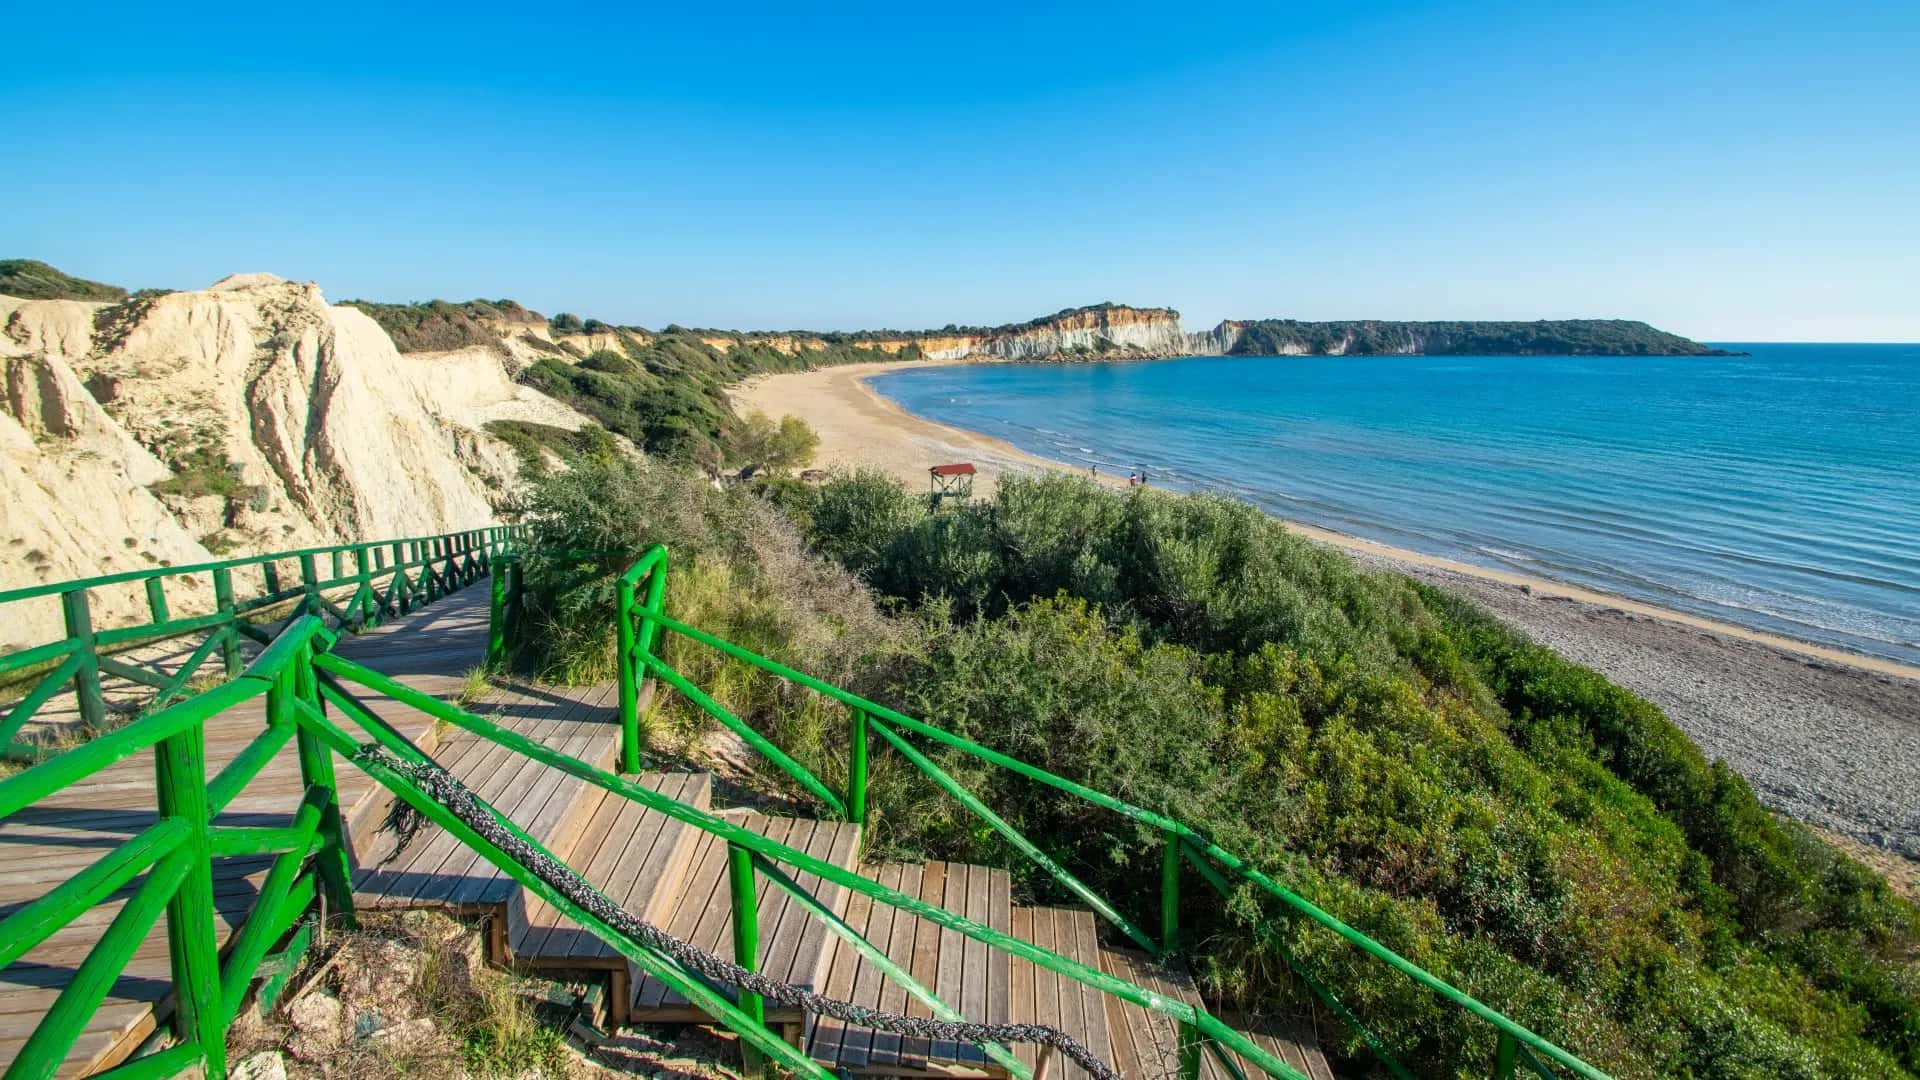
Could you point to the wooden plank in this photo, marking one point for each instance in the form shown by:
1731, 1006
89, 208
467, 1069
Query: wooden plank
1020, 1007
886, 921
828, 1039
972, 1002
816, 939
1093, 1008
888, 1047
703, 880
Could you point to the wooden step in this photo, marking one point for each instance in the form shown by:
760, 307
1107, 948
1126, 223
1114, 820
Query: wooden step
432, 869
638, 857
1146, 1044
979, 983
792, 941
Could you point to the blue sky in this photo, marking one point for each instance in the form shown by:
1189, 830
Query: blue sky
1732, 172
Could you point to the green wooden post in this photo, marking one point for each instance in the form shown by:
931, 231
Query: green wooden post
223, 599
310, 581
497, 619
1189, 1052
746, 945
86, 676
1170, 895
363, 596
628, 664
857, 770
1505, 1056
180, 778
516, 595
157, 599
270, 573
316, 769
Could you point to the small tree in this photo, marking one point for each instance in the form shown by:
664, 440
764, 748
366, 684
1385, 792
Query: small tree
793, 445
756, 440
566, 323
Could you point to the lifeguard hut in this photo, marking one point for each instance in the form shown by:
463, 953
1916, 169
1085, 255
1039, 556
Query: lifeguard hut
950, 482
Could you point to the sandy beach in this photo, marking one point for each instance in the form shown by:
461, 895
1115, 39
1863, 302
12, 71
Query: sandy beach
1826, 736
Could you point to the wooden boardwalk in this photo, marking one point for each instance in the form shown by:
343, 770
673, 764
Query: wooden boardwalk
668, 873
47, 843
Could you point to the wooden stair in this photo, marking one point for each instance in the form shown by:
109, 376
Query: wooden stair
1147, 1044
792, 941
992, 986
638, 857
432, 869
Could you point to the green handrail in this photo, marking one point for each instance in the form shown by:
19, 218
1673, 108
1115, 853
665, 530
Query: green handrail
176, 854
739, 836
86, 652
652, 613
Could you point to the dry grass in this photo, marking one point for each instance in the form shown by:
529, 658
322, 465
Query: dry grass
415, 998
477, 685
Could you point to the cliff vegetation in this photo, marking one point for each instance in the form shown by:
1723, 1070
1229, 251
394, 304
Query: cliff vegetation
31, 279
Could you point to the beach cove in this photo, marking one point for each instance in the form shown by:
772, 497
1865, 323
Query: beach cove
1826, 736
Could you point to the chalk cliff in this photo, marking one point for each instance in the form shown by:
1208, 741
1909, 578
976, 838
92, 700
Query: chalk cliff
249, 416
1107, 330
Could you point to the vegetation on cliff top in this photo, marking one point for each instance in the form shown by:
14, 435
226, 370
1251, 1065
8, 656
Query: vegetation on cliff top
668, 393
31, 279
1513, 822
1546, 337
437, 325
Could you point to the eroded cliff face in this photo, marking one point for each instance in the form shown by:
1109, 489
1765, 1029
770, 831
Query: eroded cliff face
1110, 331
251, 416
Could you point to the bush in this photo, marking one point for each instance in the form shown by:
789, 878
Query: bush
31, 279
739, 569
1510, 821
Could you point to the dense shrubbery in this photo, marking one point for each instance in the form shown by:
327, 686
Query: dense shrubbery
1508, 820
437, 325
739, 569
31, 279
668, 394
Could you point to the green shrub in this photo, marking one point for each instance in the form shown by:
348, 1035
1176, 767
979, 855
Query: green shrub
31, 279
739, 569
1506, 819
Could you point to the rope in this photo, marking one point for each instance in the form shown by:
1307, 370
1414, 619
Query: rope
449, 792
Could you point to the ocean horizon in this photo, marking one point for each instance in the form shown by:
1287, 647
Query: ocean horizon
1778, 490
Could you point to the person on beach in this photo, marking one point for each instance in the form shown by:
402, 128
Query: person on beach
1132, 479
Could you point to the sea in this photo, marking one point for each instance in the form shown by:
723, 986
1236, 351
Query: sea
1778, 490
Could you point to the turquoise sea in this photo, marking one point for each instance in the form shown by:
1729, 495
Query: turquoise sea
1778, 490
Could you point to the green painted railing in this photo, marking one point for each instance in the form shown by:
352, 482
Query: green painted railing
302, 682
642, 617
352, 586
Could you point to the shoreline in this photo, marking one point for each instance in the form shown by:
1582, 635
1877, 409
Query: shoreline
1826, 737
873, 405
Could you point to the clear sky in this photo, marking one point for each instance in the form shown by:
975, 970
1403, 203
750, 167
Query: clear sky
1746, 171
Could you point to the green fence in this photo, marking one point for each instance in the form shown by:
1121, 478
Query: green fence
236, 601
642, 617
